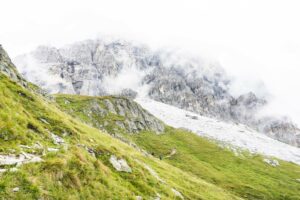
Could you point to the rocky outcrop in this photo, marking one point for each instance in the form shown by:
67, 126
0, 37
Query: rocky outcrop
8, 68
281, 129
114, 114
97, 67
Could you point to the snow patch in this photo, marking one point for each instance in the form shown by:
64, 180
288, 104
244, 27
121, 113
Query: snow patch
229, 133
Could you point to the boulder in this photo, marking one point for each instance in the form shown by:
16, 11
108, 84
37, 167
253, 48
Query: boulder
272, 162
120, 164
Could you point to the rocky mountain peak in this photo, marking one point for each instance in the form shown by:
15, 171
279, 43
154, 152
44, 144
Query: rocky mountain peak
99, 67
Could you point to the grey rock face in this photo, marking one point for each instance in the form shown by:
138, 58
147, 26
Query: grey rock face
8, 68
94, 67
281, 129
115, 114
136, 118
177, 87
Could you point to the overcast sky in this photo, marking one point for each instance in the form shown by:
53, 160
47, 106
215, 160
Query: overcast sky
254, 39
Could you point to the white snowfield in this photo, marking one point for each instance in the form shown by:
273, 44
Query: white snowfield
237, 135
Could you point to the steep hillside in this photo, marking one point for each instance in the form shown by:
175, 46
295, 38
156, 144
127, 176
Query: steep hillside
47, 154
247, 175
99, 67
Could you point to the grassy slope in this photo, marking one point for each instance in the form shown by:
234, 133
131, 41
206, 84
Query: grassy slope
27, 118
246, 175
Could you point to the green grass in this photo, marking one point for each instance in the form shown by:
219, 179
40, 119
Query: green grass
27, 117
246, 175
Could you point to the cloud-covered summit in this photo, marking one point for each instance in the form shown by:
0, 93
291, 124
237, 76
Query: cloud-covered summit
100, 67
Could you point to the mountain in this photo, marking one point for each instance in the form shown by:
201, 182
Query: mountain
80, 147
48, 154
100, 67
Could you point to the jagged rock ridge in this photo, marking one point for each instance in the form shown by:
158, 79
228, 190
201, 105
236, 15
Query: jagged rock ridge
97, 67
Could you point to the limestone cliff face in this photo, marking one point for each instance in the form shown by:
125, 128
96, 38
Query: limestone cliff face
98, 68
113, 114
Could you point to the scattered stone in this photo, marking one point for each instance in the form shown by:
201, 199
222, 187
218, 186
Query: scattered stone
30, 158
271, 162
139, 198
38, 146
25, 146
50, 149
177, 194
44, 121
16, 189
91, 151
172, 153
88, 149
57, 140
23, 158
120, 164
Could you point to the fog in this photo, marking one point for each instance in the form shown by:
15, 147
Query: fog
257, 42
